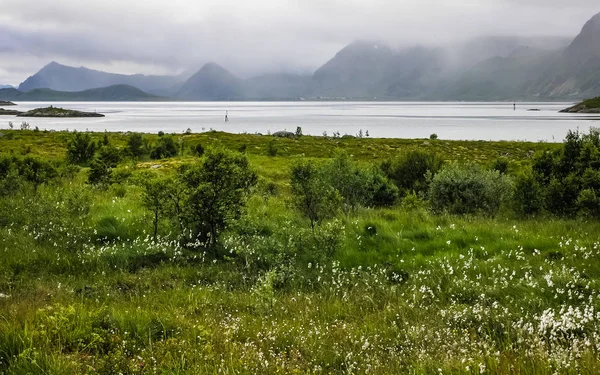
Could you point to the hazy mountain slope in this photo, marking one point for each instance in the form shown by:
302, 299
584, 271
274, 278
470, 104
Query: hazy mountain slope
212, 82
277, 86
65, 78
576, 71
111, 93
355, 71
5, 86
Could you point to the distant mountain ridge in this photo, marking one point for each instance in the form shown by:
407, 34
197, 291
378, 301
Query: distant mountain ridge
60, 77
121, 93
490, 68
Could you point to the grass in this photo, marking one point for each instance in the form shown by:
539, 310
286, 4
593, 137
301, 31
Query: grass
405, 292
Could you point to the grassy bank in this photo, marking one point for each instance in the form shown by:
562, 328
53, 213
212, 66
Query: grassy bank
84, 288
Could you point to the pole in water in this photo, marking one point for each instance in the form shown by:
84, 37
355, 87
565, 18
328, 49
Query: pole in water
226, 116
514, 106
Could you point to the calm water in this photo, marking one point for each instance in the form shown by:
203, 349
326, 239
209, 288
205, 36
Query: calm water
473, 121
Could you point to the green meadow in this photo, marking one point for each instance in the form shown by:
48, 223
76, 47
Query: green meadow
255, 254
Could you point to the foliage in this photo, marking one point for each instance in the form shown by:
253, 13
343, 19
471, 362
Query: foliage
411, 171
272, 149
135, 145
563, 175
216, 191
165, 148
80, 148
312, 195
198, 150
469, 189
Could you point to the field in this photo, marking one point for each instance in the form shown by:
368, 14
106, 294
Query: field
86, 288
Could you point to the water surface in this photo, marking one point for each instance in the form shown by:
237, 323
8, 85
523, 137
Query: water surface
449, 120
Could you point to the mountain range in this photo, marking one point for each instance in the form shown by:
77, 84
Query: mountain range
485, 68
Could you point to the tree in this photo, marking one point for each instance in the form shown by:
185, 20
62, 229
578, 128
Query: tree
80, 148
217, 188
165, 148
101, 167
311, 195
410, 171
135, 145
156, 198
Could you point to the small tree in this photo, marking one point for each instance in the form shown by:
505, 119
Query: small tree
217, 189
165, 148
311, 195
100, 172
156, 198
80, 148
135, 145
298, 132
411, 171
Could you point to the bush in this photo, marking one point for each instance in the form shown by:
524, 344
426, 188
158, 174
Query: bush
165, 148
135, 145
528, 196
272, 149
412, 171
312, 195
468, 189
217, 188
80, 149
356, 185
198, 150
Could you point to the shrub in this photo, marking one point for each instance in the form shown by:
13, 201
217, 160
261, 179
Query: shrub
433, 136
356, 185
217, 189
135, 145
501, 165
412, 171
312, 195
165, 148
198, 150
468, 189
272, 149
528, 199
80, 149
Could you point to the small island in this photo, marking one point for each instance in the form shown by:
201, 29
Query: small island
5, 104
9, 112
57, 112
588, 106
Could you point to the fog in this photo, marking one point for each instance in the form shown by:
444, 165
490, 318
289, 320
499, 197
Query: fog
248, 38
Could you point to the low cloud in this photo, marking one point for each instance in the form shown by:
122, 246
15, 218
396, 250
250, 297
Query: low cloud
158, 37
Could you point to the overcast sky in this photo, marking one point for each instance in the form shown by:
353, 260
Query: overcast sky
251, 37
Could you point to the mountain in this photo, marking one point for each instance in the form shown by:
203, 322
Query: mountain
277, 86
212, 82
110, 93
576, 71
65, 78
355, 71
5, 87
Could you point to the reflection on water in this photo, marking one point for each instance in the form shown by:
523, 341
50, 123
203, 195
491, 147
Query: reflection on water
460, 120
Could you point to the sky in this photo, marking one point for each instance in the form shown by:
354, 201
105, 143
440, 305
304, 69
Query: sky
252, 37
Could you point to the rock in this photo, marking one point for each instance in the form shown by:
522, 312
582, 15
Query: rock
284, 134
5, 104
156, 166
58, 112
9, 112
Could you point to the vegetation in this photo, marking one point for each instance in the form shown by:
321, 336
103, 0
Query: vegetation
57, 112
331, 256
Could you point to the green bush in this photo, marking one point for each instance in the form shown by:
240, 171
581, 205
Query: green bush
165, 148
412, 170
528, 195
80, 148
469, 189
135, 145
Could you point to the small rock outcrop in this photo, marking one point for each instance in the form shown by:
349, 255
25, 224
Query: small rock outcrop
58, 112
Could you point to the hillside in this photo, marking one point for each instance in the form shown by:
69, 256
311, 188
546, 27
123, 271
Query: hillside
59, 77
212, 82
587, 106
111, 93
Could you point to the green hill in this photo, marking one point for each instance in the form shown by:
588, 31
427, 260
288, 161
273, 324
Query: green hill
588, 106
119, 93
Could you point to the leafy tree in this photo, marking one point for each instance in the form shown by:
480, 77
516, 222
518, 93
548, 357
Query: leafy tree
312, 195
80, 148
101, 167
156, 197
135, 145
217, 188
